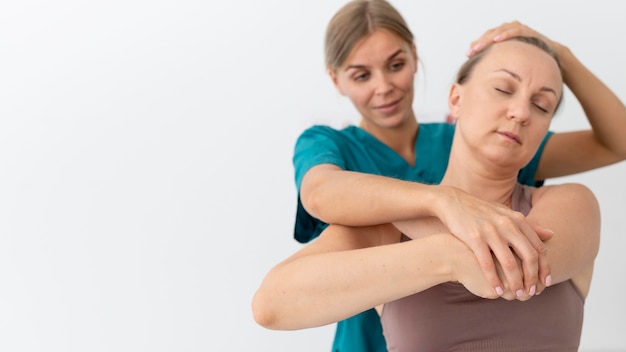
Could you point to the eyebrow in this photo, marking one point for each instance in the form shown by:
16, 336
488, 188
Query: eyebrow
399, 51
518, 78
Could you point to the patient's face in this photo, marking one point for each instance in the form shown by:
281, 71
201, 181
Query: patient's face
507, 104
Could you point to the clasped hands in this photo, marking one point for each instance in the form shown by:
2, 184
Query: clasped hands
492, 250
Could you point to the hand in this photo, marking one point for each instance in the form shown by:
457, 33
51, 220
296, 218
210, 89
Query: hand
465, 268
491, 229
505, 31
467, 271
509, 294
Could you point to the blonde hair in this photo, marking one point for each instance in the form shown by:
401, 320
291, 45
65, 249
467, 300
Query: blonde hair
354, 21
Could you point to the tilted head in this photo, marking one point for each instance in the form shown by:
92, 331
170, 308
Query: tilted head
504, 100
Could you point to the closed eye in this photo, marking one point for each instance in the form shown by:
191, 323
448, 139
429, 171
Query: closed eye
541, 108
502, 91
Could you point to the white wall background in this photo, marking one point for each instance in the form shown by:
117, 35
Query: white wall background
146, 183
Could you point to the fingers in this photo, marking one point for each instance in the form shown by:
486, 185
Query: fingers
492, 35
536, 235
543, 233
521, 255
500, 239
544, 269
504, 273
530, 265
510, 294
529, 256
488, 267
533, 254
510, 270
503, 32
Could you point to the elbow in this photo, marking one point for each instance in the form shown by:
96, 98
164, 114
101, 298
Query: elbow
313, 201
312, 204
270, 311
263, 312
319, 191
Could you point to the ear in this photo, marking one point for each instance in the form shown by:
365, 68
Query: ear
333, 77
455, 99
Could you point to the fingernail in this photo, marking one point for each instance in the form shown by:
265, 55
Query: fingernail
538, 293
499, 291
519, 293
477, 47
533, 288
548, 280
469, 52
497, 37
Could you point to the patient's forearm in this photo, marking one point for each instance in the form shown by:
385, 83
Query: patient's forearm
324, 288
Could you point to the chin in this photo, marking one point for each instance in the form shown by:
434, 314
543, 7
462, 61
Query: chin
508, 162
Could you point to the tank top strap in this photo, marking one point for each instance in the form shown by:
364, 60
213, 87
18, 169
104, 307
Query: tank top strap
521, 199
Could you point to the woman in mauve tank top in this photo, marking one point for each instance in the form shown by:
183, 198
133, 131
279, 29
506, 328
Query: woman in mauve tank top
504, 100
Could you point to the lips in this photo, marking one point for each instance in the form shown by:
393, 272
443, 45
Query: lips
389, 107
511, 136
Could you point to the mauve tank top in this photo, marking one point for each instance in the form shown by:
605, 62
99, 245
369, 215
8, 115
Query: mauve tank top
448, 317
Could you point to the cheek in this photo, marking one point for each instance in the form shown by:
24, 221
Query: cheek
477, 102
405, 82
360, 95
539, 132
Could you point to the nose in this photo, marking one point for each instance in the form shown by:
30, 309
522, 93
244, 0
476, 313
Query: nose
519, 109
384, 84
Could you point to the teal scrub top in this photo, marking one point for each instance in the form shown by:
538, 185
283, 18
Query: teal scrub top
354, 149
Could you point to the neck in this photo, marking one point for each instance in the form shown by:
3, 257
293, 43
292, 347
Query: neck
400, 138
479, 178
